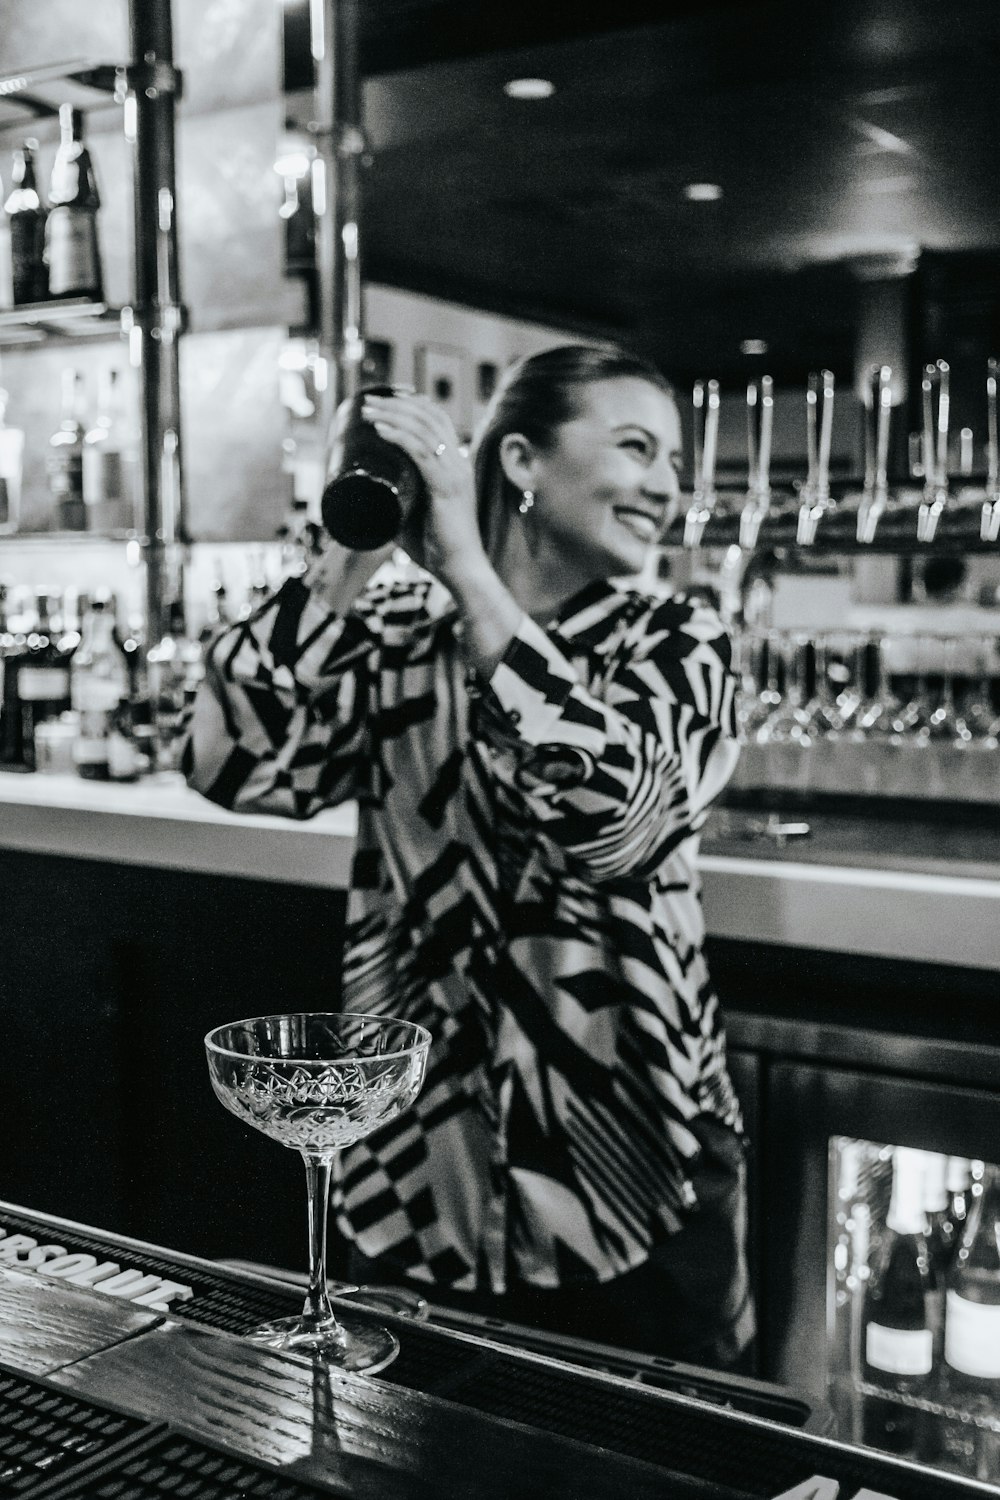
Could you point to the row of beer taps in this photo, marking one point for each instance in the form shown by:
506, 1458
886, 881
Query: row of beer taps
877, 512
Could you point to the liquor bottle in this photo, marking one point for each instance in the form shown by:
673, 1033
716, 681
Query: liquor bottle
110, 463
899, 1331
175, 667
41, 676
99, 680
972, 1309
72, 254
26, 215
11, 468
65, 461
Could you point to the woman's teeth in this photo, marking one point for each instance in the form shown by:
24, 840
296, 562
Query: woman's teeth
638, 522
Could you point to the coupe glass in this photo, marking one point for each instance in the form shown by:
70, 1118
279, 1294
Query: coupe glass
316, 1083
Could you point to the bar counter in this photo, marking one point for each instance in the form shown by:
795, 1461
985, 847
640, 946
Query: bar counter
101, 1396
855, 885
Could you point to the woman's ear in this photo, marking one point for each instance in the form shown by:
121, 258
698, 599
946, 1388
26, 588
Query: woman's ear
517, 459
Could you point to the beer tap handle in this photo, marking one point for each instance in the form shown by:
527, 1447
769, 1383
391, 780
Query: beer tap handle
819, 441
936, 377
760, 427
876, 492
990, 523
706, 433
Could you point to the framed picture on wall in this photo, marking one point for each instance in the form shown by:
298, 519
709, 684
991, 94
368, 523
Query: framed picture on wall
439, 371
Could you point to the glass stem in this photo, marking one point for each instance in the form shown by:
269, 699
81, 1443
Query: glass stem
317, 1307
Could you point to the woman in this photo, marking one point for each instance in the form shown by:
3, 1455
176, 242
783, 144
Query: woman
533, 749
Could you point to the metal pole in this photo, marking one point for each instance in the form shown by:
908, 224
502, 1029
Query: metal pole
341, 148
155, 86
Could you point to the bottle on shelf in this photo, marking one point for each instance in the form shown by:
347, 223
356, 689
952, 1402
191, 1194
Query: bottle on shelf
941, 1227
959, 1191
175, 667
26, 216
218, 613
901, 1322
99, 680
65, 460
110, 461
972, 1306
848, 1271
11, 467
36, 683
72, 252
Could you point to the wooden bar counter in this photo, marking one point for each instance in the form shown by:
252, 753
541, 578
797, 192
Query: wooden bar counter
100, 1397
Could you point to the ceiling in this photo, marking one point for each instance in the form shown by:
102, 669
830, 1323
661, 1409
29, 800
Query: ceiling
847, 137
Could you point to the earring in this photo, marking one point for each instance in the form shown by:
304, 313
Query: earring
527, 502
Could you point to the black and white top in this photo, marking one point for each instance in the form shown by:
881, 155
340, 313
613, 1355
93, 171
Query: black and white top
523, 885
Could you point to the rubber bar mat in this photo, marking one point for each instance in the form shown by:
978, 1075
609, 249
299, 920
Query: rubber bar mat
179, 1467
45, 1433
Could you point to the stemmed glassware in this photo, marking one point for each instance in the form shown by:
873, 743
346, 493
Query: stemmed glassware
317, 1082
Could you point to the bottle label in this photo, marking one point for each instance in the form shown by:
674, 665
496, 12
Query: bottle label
96, 695
103, 475
71, 253
42, 684
899, 1351
972, 1337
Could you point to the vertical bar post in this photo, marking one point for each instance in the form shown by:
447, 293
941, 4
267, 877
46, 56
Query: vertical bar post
158, 311
341, 151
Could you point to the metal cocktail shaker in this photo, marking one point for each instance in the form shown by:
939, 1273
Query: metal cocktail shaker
376, 485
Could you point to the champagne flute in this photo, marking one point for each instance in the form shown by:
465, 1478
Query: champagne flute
317, 1082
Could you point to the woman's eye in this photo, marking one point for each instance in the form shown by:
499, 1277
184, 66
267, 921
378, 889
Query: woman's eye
637, 445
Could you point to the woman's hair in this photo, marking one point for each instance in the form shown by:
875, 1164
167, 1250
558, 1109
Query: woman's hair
535, 397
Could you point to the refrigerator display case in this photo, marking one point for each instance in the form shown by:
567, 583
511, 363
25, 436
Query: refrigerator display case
857, 1163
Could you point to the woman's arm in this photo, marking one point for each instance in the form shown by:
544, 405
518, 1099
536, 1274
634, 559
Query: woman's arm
278, 724
619, 781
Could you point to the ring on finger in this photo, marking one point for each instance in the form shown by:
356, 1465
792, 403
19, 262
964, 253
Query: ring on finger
440, 449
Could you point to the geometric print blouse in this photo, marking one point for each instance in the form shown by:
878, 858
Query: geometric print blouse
523, 885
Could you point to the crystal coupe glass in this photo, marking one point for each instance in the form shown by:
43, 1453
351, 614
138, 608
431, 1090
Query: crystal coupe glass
317, 1082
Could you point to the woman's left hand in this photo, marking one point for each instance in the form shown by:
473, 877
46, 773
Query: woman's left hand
446, 539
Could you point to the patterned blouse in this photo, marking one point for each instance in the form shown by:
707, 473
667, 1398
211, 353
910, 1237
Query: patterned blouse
523, 885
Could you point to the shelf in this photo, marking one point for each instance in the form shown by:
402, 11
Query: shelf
36, 93
67, 538
66, 320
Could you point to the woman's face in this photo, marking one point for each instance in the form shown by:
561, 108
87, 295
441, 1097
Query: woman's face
608, 485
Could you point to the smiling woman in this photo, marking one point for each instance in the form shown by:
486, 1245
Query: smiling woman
533, 748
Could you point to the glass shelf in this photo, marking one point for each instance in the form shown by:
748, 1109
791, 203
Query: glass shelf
35, 94
66, 320
70, 538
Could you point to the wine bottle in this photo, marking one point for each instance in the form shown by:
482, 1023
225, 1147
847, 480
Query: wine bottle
41, 675
72, 253
941, 1228
110, 461
99, 681
959, 1192
899, 1332
65, 461
972, 1308
26, 214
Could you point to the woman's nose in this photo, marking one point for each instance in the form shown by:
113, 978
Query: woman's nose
662, 478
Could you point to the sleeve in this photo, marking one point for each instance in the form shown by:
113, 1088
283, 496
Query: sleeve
278, 724
619, 781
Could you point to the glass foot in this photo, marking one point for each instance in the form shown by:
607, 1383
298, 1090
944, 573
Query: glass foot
340, 1344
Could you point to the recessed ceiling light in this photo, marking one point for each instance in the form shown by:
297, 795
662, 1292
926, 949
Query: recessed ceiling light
702, 192
753, 346
529, 88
